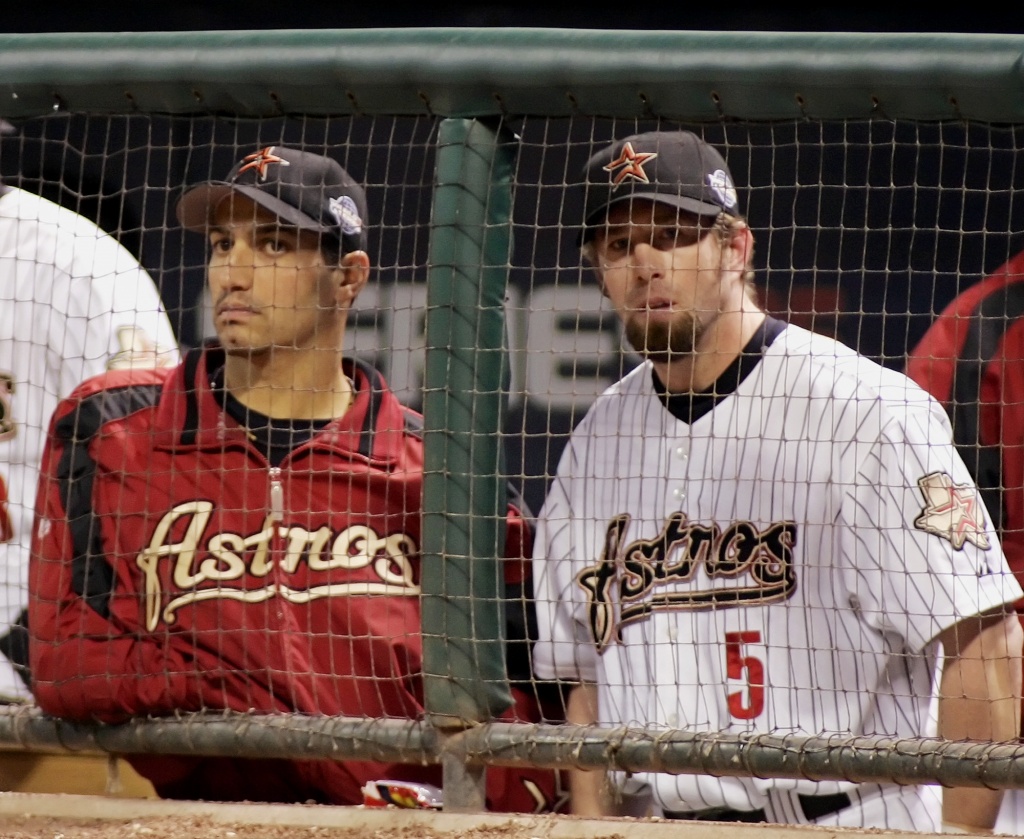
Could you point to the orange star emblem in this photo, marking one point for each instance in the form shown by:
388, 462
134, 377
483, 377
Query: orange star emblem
260, 161
630, 165
952, 511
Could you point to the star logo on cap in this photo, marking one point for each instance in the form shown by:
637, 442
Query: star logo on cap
260, 161
630, 165
952, 511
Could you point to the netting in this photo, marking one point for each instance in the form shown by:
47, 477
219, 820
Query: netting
864, 230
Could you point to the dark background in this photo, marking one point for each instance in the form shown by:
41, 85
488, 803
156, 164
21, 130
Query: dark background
864, 229
264, 14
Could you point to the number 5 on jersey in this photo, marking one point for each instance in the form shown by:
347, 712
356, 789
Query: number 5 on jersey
740, 665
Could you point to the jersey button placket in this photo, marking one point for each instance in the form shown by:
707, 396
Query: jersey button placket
275, 519
679, 461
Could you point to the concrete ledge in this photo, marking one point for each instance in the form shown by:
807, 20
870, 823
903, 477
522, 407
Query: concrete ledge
370, 821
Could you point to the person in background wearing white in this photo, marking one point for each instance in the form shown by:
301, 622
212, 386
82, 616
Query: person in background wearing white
73, 303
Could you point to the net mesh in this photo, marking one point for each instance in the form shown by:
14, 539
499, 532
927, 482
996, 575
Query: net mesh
864, 230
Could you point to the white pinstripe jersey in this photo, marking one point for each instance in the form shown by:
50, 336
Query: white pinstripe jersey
812, 533
73, 303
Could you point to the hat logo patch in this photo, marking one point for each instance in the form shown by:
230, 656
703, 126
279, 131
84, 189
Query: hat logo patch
630, 165
260, 161
346, 214
720, 183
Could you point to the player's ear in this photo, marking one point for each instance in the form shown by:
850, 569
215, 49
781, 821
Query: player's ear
737, 247
351, 276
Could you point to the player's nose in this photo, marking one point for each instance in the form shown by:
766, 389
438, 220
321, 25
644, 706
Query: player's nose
233, 266
647, 262
242, 252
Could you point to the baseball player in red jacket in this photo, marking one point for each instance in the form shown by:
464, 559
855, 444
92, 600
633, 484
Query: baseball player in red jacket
242, 531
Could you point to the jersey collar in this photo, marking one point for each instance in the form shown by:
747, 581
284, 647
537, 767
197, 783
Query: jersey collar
690, 407
190, 415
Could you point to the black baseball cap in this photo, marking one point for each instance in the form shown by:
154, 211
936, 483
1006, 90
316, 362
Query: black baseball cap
310, 191
671, 167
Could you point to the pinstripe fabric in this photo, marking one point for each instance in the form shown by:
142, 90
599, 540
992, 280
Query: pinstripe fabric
787, 532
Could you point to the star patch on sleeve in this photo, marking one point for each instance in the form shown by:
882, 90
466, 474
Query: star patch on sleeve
952, 511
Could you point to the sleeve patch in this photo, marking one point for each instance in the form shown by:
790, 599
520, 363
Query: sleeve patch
952, 511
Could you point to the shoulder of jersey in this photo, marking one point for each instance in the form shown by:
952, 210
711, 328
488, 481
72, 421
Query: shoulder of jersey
29, 207
633, 383
115, 379
413, 422
836, 370
620, 399
60, 236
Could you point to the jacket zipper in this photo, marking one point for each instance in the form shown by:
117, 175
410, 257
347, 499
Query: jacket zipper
276, 495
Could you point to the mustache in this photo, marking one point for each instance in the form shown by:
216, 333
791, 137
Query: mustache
647, 299
232, 299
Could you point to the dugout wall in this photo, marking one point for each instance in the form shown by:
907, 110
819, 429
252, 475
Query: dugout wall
879, 173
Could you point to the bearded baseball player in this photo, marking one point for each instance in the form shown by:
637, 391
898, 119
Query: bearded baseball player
73, 303
757, 530
242, 532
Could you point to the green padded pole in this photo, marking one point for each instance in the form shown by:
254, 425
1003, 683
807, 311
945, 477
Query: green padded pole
464, 498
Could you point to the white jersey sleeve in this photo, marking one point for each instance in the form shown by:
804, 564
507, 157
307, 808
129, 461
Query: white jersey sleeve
565, 647
916, 531
73, 303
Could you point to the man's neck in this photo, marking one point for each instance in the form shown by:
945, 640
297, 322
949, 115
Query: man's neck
282, 386
719, 347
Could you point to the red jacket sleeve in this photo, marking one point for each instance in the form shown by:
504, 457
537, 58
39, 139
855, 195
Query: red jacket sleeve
85, 664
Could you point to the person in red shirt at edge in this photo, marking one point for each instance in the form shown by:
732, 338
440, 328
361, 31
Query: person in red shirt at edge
971, 359
242, 531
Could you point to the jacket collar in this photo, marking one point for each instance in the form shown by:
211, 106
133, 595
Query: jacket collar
189, 415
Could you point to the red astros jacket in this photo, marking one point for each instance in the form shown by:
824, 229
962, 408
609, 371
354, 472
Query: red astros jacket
174, 569
972, 360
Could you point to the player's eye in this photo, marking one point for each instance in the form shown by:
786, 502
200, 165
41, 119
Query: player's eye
614, 247
276, 245
679, 236
220, 243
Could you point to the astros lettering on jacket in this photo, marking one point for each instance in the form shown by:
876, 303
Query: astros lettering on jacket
200, 559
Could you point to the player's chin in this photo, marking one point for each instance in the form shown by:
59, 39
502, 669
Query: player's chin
661, 340
239, 342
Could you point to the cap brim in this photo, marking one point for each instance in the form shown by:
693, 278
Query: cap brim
691, 205
195, 208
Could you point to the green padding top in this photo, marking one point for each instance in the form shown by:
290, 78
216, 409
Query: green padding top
556, 72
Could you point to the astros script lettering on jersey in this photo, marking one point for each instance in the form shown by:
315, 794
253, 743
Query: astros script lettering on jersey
232, 556
757, 563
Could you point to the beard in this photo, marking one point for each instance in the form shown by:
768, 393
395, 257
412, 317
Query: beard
662, 340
